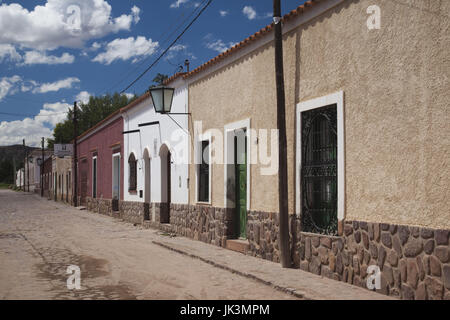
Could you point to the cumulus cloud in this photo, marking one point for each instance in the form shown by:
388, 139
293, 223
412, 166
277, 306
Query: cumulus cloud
14, 84
223, 13
61, 23
39, 57
219, 45
9, 53
32, 129
83, 97
249, 12
56, 86
9, 85
125, 49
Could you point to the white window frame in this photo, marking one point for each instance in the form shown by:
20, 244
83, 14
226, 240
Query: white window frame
337, 99
117, 154
242, 124
96, 177
199, 157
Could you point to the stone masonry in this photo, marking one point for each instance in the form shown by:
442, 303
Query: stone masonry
414, 262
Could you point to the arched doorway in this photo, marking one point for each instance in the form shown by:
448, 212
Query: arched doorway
147, 185
165, 156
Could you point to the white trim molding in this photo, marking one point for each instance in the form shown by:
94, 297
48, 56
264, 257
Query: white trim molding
115, 155
337, 99
199, 158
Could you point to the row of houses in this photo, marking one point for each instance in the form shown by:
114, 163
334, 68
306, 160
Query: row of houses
367, 148
28, 178
53, 176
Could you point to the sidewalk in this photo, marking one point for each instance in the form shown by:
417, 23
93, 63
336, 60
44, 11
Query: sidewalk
303, 285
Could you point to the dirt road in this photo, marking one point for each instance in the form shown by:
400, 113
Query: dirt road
39, 239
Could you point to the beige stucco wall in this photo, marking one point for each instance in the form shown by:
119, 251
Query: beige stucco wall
62, 168
397, 113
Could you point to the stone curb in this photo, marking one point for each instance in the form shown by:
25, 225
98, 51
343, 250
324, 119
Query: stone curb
295, 293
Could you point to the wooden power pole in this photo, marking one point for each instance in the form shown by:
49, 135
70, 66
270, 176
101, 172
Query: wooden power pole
75, 158
285, 255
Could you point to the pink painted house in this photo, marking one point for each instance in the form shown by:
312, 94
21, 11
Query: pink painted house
100, 165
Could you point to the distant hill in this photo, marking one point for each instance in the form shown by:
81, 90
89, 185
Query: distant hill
7, 153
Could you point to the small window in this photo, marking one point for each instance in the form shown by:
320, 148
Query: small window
203, 173
132, 180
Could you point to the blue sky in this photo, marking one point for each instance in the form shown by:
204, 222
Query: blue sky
53, 52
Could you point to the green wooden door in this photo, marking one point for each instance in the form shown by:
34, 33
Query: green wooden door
241, 187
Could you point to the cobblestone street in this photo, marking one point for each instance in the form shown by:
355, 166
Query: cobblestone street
39, 239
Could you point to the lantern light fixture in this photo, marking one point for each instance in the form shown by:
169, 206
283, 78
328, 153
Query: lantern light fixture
162, 98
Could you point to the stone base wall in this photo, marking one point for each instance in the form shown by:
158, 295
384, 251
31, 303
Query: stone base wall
262, 234
207, 224
102, 206
414, 262
131, 211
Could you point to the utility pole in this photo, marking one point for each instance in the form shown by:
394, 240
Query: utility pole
75, 156
285, 255
42, 169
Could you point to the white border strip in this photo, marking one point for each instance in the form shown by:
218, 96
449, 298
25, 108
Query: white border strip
338, 99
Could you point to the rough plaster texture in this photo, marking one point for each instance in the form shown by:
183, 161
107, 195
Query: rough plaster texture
395, 82
62, 167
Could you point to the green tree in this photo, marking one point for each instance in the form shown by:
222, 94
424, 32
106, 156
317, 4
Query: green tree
159, 79
89, 114
6, 172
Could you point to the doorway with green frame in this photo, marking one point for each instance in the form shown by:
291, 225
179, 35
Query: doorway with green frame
240, 174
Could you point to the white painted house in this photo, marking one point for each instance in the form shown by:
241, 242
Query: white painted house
156, 150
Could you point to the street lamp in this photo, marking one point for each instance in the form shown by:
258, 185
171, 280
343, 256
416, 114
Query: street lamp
162, 98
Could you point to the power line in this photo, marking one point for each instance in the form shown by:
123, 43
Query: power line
165, 40
168, 48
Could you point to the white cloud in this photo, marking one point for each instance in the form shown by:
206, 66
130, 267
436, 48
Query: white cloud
32, 129
178, 47
223, 13
249, 12
125, 49
83, 97
135, 11
9, 85
219, 45
28, 85
14, 84
8, 52
59, 23
178, 3
56, 86
38, 57
95, 46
